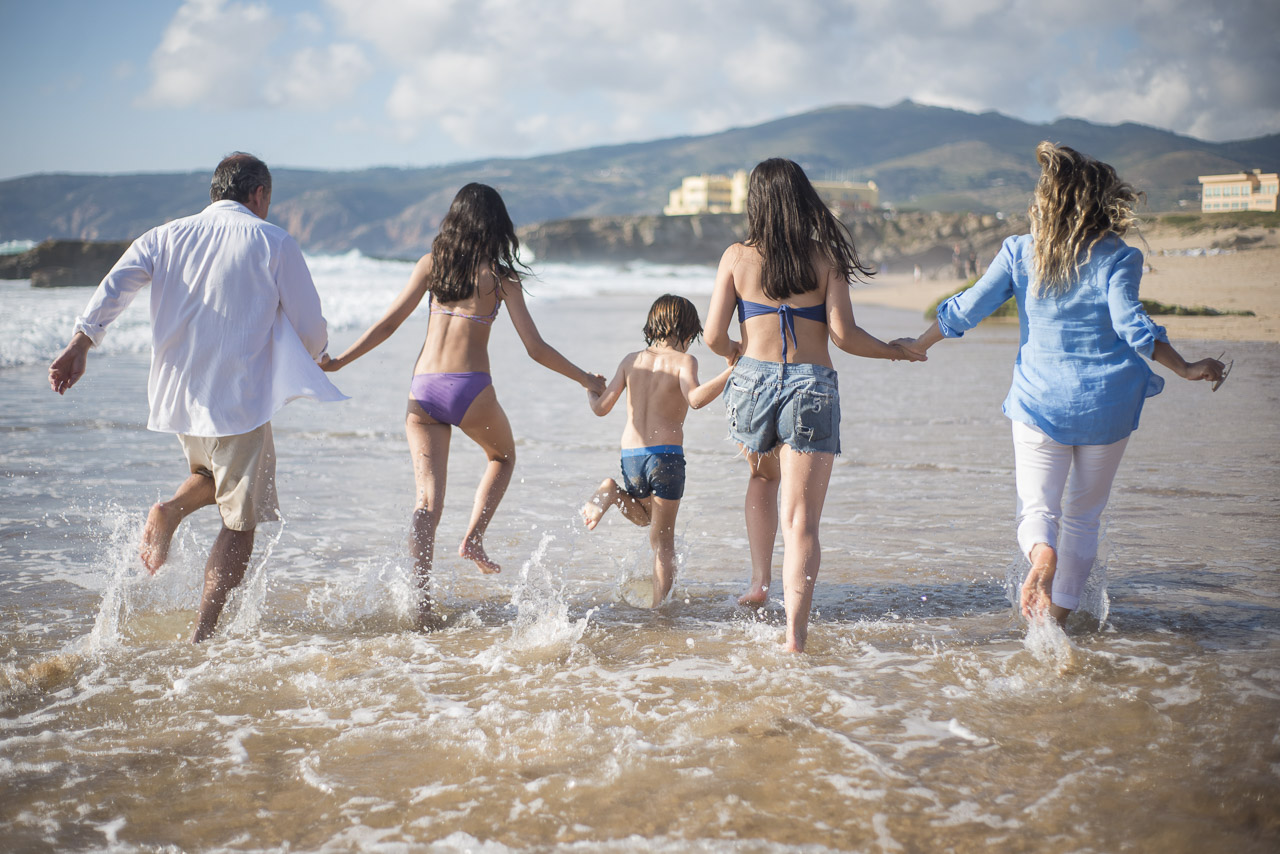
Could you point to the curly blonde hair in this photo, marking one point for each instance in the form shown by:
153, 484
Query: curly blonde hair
1077, 202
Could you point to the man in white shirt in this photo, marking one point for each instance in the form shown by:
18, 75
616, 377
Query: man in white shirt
236, 333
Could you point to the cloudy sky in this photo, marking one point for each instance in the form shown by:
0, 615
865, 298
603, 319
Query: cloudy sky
151, 85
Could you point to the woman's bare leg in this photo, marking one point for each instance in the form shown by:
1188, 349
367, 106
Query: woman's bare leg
761, 511
486, 424
804, 489
429, 447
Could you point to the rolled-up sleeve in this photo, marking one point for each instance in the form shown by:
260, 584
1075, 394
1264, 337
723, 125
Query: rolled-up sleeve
1128, 317
130, 274
970, 307
299, 300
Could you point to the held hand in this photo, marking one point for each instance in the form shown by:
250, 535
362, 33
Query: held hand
67, 369
911, 351
329, 365
595, 384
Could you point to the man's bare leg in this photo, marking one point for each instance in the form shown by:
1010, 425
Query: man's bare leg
609, 494
164, 517
761, 510
486, 424
228, 560
429, 447
662, 539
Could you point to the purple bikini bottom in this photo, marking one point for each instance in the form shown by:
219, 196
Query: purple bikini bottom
447, 397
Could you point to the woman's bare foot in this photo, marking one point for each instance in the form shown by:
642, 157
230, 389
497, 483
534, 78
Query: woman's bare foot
604, 497
162, 521
757, 596
473, 550
1037, 590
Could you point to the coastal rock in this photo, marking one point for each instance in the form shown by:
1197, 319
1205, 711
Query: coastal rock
64, 263
697, 239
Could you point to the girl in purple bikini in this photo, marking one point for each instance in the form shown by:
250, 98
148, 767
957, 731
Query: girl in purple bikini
468, 275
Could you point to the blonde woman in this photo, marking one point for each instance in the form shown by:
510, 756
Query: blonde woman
1080, 379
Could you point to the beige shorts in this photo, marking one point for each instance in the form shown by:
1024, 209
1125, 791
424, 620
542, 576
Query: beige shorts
243, 469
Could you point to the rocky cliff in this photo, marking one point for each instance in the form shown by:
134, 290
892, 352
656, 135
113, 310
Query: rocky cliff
63, 263
897, 242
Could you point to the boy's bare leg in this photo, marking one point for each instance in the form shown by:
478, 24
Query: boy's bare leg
804, 490
429, 446
662, 539
223, 572
164, 517
609, 494
1036, 599
486, 424
761, 512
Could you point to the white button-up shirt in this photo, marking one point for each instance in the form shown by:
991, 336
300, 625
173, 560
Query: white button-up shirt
236, 326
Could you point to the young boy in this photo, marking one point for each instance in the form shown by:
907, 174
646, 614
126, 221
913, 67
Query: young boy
661, 382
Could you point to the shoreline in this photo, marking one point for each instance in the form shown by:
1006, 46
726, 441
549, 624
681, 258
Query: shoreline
1242, 280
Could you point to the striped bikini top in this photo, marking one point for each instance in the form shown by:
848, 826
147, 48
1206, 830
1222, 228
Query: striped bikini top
786, 317
484, 319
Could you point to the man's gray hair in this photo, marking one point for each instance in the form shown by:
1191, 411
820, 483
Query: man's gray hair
237, 176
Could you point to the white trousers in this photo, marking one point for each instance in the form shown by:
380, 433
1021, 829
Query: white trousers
1062, 491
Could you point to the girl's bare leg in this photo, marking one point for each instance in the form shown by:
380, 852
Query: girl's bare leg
662, 539
1036, 599
429, 447
609, 494
761, 510
486, 424
804, 489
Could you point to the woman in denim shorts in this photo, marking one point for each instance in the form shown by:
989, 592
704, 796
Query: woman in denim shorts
789, 284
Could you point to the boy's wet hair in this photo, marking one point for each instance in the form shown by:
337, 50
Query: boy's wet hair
672, 318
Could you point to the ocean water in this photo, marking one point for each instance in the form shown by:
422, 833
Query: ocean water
554, 713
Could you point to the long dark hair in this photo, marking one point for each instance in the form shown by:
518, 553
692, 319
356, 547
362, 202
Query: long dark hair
475, 235
785, 218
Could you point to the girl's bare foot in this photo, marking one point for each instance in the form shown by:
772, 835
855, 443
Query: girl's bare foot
162, 521
603, 498
1037, 590
427, 620
473, 550
757, 596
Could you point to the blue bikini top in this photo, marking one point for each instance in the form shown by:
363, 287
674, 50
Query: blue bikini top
786, 317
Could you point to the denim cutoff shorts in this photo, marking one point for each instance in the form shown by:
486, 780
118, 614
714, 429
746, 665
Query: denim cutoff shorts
771, 403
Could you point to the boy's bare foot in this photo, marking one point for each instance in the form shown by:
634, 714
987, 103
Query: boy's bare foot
603, 498
473, 550
757, 596
1037, 590
162, 521
427, 619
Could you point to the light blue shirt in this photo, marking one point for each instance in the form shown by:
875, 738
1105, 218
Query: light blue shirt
1080, 376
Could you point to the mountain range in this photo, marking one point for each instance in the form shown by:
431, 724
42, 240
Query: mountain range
922, 158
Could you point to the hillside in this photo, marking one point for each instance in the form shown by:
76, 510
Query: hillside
926, 158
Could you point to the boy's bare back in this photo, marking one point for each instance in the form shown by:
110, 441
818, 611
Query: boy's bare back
657, 381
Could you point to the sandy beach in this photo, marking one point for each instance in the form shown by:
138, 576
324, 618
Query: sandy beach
1181, 272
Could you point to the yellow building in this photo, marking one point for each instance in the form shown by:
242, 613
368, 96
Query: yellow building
1240, 191
709, 194
728, 194
846, 196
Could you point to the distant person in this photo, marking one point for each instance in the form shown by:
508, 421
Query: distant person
468, 275
789, 283
661, 382
1080, 379
957, 261
236, 328
973, 262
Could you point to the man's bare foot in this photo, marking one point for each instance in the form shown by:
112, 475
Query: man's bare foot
1037, 590
603, 498
162, 521
473, 550
757, 596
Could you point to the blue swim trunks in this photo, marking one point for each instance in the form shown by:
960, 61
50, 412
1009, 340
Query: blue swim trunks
770, 404
655, 470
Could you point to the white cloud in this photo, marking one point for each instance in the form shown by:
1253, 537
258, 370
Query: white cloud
320, 76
